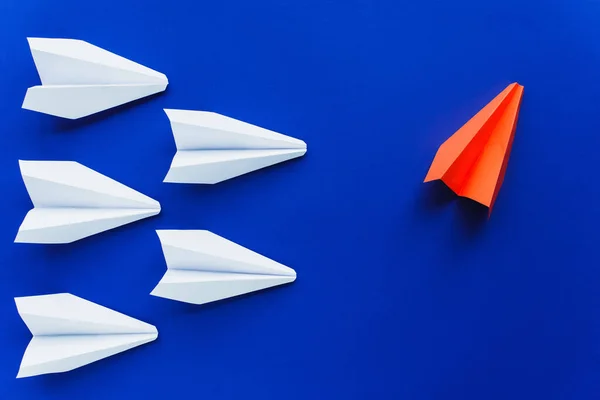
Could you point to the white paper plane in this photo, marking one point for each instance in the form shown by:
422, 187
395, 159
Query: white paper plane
204, 267
70, 332
72, 201
80, 79
212, 148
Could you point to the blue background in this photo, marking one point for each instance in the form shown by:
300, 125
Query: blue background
403, 291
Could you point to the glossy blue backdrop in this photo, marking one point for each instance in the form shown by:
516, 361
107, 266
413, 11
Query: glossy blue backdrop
403, 291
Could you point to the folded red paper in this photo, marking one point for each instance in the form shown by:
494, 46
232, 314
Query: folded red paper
472, 162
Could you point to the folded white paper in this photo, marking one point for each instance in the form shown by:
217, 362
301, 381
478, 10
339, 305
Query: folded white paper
72, 201
79, 79
212, 148
69, 332
204, 267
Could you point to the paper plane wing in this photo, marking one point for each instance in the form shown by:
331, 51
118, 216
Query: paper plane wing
69, 332
73, 102
204, 267
206, 130
71, 184
212, 148
79, 79
67, 314
214, 166
472, 162
54, 354
76, 62
200, 287
72, 201
67, 225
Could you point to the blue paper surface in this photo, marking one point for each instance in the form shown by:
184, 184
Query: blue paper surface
403, 291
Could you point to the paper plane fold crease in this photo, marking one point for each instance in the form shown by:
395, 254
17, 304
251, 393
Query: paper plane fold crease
472, 162
72, 201
212, 148
80, 79
204, 267
70, 332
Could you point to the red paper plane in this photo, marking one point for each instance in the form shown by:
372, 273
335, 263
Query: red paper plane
472, 162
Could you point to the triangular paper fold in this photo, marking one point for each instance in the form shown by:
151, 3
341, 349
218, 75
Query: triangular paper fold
212, 148
79, 79
472, 162
204, 267
69, 332
73, 201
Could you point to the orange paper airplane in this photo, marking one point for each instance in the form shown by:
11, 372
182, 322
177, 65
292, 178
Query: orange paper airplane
472, 162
